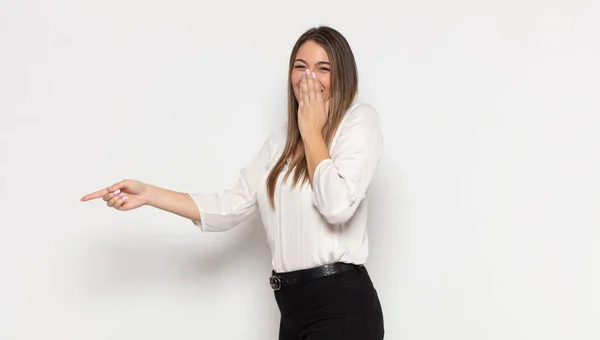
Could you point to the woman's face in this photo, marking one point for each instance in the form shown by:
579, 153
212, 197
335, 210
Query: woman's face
312, 56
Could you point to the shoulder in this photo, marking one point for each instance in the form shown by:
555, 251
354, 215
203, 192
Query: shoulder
360, 132
279, 133
277, 136
361, 113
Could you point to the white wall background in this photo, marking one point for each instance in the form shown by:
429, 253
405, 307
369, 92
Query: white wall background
484, 212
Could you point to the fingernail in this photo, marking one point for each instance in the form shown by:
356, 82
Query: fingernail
124, 198
307, 71
117, 192
314, 76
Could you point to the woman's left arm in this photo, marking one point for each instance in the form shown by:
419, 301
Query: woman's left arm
340, 181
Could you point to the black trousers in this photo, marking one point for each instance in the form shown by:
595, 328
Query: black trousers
343, 306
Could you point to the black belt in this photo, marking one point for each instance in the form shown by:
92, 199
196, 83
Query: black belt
281, 280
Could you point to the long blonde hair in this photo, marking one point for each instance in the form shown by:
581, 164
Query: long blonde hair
343, 89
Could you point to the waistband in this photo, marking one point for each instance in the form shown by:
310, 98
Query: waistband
282, 280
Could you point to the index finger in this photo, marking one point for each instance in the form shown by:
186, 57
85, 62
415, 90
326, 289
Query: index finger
94, 195
311, 86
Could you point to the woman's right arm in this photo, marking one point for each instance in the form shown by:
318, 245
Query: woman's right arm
209, 211
175, 202
130, 194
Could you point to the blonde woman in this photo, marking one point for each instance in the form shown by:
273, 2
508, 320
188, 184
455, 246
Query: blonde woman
309, 183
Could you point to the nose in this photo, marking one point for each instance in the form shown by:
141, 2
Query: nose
317, 79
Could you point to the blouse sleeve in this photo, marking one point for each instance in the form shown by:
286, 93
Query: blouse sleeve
341, 182
224, 210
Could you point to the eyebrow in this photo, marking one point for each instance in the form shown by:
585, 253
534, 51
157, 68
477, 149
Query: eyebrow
319, 63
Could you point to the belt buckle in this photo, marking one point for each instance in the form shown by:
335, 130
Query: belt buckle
275, 282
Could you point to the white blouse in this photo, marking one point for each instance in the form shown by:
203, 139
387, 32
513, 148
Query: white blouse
309, 227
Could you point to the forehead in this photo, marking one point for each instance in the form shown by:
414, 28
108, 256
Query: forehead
312, 52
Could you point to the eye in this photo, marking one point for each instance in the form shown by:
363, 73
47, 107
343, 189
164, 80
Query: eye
324, 69
299, 66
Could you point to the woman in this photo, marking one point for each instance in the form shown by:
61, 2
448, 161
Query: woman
316, 222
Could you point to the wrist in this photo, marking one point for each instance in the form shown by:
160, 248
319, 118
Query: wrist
314, 145
149, 195
311, 135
